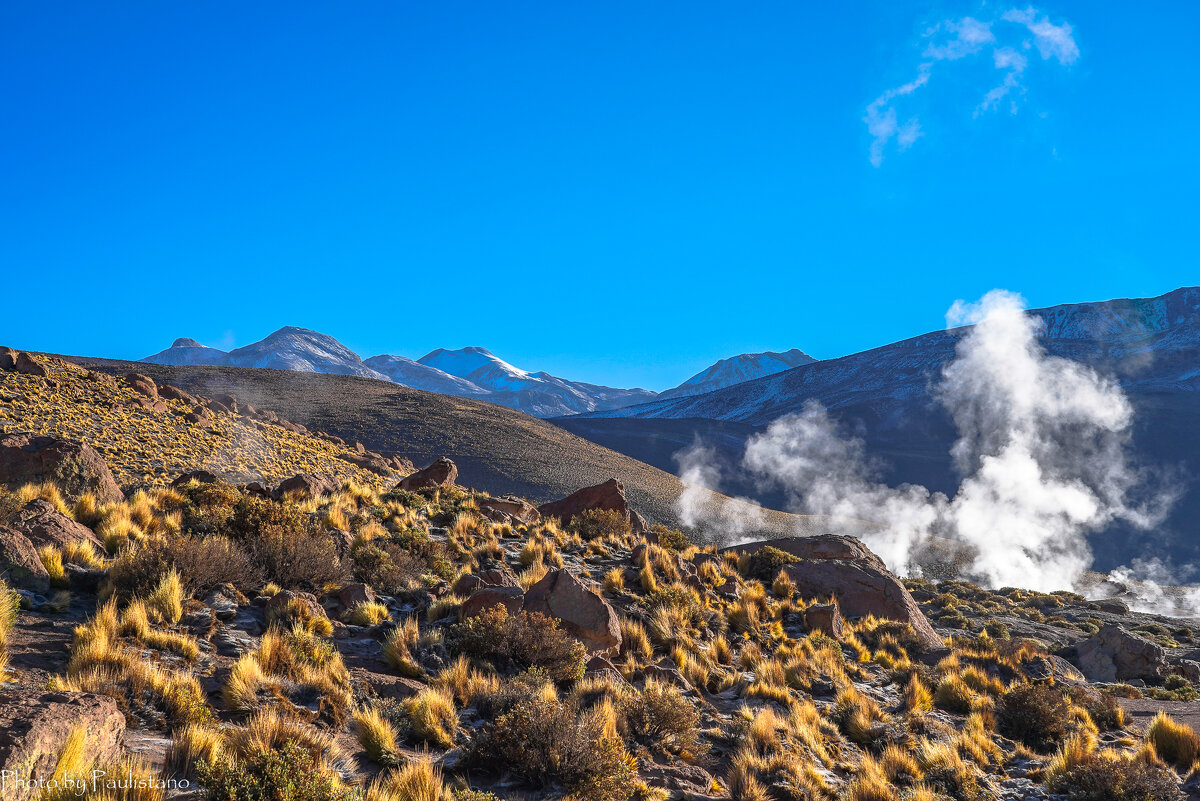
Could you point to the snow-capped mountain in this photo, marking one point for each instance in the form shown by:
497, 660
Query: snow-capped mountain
411, 373
468, 372
737, 370
539, 394
188, 351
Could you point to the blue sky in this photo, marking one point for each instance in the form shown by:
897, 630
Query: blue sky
614, 192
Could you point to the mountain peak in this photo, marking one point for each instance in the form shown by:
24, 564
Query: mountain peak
737, 369
187, 342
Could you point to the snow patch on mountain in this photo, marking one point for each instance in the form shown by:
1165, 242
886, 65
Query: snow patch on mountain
738, 369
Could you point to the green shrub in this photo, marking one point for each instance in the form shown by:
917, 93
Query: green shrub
524, 640
207, 507
1035, 714
671, 538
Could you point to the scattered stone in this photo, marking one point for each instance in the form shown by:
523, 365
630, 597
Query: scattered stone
353, 595
74, 466
34, 724
582, 612
442, 474
608, 496
202, 476
284, 604
224, 605
1113, 606
175, 393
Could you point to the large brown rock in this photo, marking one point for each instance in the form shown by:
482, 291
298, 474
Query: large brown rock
1114, 654
20, 564
509, 509
8, 359
607, 496
30, 366
34, 724
442, 474
845, 569
74, 466
305, 485
142, 384
172, 392
582, 612
487, 597
44, 525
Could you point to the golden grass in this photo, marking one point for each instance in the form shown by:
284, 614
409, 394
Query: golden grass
52, 560
1176, 743
417, 780
377, 736
432, 717
165, 603
398, 648
368, 614
464, 683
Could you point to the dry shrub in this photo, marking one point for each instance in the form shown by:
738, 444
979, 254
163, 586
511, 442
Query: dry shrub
519, 641
203, 565
1109, 776
1036, 715
660, 716
599, 524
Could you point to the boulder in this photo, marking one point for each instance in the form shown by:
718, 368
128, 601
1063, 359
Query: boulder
846, 570
607, 496
171, 392
1114, 654
509, 509
443, 473
353, 595
582, 612
1114, 606
305, 485
826, 618
487, 597
44, 525
142, 384
30, 366
8, 359
34, 724
75, 467
20, 564
470, 582
201, 476
278, 606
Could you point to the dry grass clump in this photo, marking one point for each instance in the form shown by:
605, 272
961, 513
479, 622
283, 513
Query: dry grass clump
77, 775
370, 613
1174, 742
377, 736
399, 645
294, 669
103, 662
10, 607
464, 683
417, 780
431, 717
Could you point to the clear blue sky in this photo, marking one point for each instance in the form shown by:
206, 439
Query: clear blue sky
615, 192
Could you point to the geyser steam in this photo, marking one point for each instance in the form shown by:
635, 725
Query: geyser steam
1041, 451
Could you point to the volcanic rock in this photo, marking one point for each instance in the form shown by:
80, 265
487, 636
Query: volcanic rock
825, 618
487, 597
142, 384
74, 467
443, 473
607, 496
305, 485
30, 366
34, 724
44, 525
8, 359
1114, 654
509, 509
582, 612
20, 564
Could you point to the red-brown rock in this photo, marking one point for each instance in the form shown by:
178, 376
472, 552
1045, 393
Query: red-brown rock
20, 564
74, 467
607, 496
44, 525
442, 474
30, 366
824, 618
34, 724
305, 485
142, 384
509, 509
860, 584
487, 597
582, 612
8, 359
175, 393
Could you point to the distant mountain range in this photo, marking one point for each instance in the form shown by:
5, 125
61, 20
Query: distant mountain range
471, 372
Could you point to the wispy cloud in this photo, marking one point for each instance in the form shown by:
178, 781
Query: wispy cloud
1007, 39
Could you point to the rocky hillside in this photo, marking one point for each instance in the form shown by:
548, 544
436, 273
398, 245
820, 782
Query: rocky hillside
312, 641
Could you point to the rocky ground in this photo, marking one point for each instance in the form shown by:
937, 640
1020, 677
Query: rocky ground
342, 635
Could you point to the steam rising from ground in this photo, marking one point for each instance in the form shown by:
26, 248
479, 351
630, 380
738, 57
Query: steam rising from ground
1041, 451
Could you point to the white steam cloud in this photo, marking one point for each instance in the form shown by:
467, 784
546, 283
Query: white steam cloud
1041, 450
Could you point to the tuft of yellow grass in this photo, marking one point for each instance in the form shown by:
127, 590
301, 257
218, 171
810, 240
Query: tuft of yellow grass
377, 736
1176, 743
418, 780
165, 603
432, 717
368, 614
